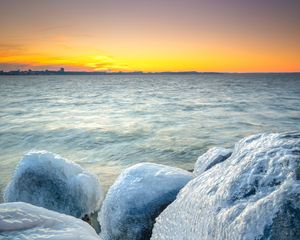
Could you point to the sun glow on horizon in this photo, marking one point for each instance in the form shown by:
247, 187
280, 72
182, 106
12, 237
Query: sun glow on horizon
158, 36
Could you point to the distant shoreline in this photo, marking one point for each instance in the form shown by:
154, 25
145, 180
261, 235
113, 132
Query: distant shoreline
47, 73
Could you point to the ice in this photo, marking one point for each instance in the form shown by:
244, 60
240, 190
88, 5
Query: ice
137, 197
252, 195
209, 159
24, 221
47, 180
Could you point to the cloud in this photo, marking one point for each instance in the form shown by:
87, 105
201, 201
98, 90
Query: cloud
36, 67
13, 66
9, 49
10, 46
53, 28
58, 51
73, 63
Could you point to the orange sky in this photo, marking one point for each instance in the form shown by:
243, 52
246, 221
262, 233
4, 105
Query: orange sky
157, 35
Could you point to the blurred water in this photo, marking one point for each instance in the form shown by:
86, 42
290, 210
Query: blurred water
106, 123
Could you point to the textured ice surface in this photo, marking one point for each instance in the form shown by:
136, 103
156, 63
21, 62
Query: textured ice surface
253, 195
137, 197
209, 159
24, 221
47, 180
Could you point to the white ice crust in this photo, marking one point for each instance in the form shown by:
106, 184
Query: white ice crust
241, 198
47, 180
137, 197
209, 159
24, 221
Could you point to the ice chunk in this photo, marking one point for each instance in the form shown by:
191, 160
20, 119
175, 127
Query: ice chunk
47, 180
254, 194
209, 159
20, 220
137, 197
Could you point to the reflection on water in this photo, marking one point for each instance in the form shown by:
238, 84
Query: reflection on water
106, 123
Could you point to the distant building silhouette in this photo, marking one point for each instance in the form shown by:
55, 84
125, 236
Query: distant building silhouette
62, 71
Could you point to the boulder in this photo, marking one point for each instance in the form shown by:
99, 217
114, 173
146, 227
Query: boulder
47, 180
209, 159
254, 194
137, 197
20, 220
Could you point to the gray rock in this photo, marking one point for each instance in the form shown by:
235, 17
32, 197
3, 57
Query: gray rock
137, 197
24, 221
47, 180
209, 159
254, 194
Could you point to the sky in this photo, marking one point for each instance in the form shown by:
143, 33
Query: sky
150, 35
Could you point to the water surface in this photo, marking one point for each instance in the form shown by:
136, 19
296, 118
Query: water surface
106, 123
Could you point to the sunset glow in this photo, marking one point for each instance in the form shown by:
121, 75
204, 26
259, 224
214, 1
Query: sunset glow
236, 36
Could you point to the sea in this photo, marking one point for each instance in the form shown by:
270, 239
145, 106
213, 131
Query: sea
107, 123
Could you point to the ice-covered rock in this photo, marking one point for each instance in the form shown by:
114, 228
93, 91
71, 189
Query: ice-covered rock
47, 180
137, 197
209, 159
254, 194
20, 220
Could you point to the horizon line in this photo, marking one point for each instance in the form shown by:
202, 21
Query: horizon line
63, 72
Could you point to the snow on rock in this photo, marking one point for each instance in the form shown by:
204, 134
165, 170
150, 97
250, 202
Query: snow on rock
47, 180
209, 159
20, 220
253, 195
137, 197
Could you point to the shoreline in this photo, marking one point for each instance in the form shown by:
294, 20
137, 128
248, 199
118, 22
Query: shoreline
255, 182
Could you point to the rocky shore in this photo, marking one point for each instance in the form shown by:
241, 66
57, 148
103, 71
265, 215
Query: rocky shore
249, 192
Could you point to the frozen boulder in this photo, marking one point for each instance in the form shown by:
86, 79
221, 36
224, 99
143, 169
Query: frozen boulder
20, 220
47, 180
253, 195
137, 197
209, 159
